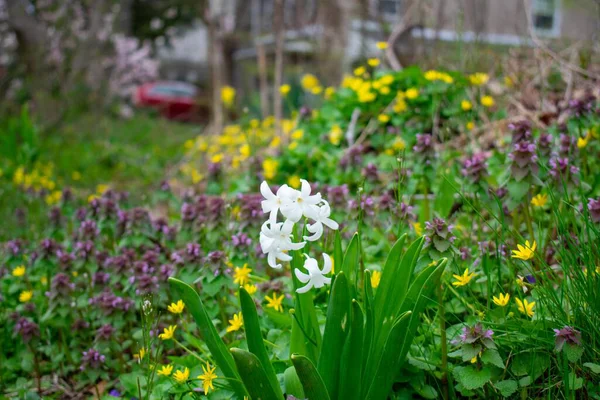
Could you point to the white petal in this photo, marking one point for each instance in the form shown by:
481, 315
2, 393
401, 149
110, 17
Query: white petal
316, 229
331, 224
305, 288
272, 261
302, 277
265, 190
326, 264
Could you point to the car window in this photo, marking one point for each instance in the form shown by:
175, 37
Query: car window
173, 91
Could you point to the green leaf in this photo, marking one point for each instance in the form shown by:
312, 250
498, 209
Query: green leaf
472, 378
337, 326
369, 316
350, 265
594, 367
575, 383
254, 376
532, 363
352, 357
313, 385
292, 383
469, 351
507, 387
525, 381
491, 356
573, 352
209, 334
254, 338
338, 253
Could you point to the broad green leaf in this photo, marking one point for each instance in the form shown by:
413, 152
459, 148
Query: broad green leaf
369, 316
292, 383
209, 334
352, 358
313, 385
254, 338
472, 378
337, 326
469, 351
573, 352
595, 368
507, 388
444, 198
491, 356
254, 376
338, 253
351, 263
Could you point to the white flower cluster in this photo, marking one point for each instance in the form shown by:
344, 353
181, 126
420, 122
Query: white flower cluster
276, 237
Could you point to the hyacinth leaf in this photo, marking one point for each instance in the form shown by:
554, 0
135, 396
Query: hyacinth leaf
387, 365
254, 338
254, 376
352, 357
386, 283
369, 315
351, 264
314, 387
338, 253
292, 383
306, 338
337, 326
209, 334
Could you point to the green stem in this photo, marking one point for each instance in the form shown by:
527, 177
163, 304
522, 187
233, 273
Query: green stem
443, 342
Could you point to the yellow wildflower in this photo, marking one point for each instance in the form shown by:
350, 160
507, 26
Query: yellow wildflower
478, 78
418, 228
508, 81
241, 275
75, 175
385, 90
270, 168
373, 62
525, 307
329, 91
582, 142
217, 158
360, 71
284, 89
165, 370
54, 197
487, 101
398, 144
25, 296
275, 142
236, 323
540, 200
294, 181
309, 81
470, 125
245, 150
501, 300
317, 90
466, 105
140, 355
382, 45
412, 93
375, 279
168, 333
297, 134
227, 95
464, 279
19, 271
335, 135
182, 376
275, 302
524, 252
293, 145
176, 308
251, 289
400, 106
208, 377
383, 118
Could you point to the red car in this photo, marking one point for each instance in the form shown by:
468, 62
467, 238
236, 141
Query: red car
173, 100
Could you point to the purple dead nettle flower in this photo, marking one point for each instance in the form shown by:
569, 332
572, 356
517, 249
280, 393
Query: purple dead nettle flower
61, 285
476, 335
109, 208
145, 283
109, 302
142, 267
214, 169
338, 195
564, 172
370, 172
152, 257
67, 195
84, 250
140, 218
475, 167
594, 209
80, 325
524, 161
15, 247
545, 143
424, 147
521, 131
193, 252
100, 278
55, 217
305, 111
215, 258
241, 240
188, 212
386, 201
439, 234
94, 206
352, 157
105, 332
81, 214
465, 253
580, 107
48, 248
166, 271
165, 186
250, 208
406, 212
92, 359
566, 335
27, 329
567, 145
65, 259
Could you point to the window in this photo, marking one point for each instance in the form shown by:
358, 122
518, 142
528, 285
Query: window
545, 15
389, 7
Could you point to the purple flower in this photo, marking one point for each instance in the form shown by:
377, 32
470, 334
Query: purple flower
15, 247
545, 143
566, 335
564, 172
27, 329
424, 147
114, 393
475, 334
370, 172
92, 359
105, 332
241, 240
439, 234
524, 161
475, 167
521, 131
594, 209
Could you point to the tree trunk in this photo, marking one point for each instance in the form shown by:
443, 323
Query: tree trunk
278, 24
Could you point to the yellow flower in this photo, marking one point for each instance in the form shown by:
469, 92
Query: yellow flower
418, 228
241, 275
373, 62
275, 302
540, 200
227, 95
297, 134
330, 91
284, 89
251, 289
525, 307
293, 145
19, 271
524, 252
412, 93
165, 370
466, 105
400, 106
75, 175
294, 181
360, 71
217, 158
335, 135
25, 296
309, 81
464, 279
487, 101
168, 333
470, 125
375, 279
582, 142
236, 323
140, 355
275, 142
398, 144
508, 81
385, 90
382, 45
182, 376
101, 189
270, 168
479, 78
501, 300
176, 308
208, 377
54, 197
317, 90
383, 118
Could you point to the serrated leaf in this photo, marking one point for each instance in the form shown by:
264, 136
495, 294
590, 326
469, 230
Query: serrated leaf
573, 352
507, 387
525, 381
594, 367
469, 351
472, 378
491, 356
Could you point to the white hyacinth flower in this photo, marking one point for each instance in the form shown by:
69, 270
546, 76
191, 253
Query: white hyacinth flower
273, 202
321, 218
276, 239
315, 278
297, 203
